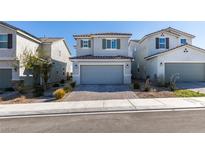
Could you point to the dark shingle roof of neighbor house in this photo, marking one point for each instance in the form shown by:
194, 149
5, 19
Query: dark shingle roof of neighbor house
101, 57
50, 39
156, 54
15, 28
108, 33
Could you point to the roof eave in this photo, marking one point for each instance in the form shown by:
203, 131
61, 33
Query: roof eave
24, 34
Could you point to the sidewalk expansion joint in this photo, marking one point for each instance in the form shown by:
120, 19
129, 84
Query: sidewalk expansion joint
132, 104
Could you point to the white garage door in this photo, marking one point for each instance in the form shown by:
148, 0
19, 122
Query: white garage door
5, 78
101, 74
187, 71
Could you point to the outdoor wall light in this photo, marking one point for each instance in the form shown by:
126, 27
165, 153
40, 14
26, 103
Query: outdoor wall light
15, 69
76, 66
161, 64
127, 65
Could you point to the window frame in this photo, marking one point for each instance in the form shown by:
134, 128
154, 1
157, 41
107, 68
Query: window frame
181, 41
112, 40
4, 41
87, 42
162, 43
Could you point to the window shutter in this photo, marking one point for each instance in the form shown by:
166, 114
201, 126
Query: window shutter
81, 43
89, 43
9, 41
167, 43
108, 44
103, 43
157, 43
118, 43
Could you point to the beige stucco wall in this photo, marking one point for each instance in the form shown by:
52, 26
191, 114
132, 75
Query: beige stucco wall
96, 47
126, 64
98, 51
45, 50
83, 51
61, 65
173, 42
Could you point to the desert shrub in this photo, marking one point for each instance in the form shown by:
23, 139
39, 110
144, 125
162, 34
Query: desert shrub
62, 81
172, 83
72, 84
160, 81
38, 91
9, 89
136, 85
147, 84
56, 85
59, 93
67, 89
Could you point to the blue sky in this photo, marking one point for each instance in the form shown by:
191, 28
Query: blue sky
138, 28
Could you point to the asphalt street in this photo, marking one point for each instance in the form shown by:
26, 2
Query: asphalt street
137, 122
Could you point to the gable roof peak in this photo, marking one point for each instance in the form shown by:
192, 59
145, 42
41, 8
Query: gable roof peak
169, 30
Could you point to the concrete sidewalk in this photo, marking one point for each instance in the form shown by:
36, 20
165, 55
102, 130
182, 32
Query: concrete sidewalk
101, 105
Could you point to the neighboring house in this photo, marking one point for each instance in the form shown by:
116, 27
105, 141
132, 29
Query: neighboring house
102, 58
164, 53
58, 51
14, 42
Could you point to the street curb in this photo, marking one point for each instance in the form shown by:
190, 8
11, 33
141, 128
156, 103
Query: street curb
50, 113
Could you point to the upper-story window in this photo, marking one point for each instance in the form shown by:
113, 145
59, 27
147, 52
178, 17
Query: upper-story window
111, 43
5, 41
162, 43
183, 41
85, 43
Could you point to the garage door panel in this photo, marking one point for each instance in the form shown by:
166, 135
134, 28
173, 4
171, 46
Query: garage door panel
5, 78
101, 74
187, 71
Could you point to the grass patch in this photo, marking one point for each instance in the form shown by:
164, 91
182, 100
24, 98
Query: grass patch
188, 93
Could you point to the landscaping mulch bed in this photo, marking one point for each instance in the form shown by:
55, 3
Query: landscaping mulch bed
160, 94
155, 91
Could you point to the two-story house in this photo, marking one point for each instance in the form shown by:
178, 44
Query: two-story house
102, 58
14, 42
166, 52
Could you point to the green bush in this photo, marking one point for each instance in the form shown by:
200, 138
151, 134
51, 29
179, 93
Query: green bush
72, 84
62, 81
136, 85
9, 89
38, 91
67, 89
56, 85
59, 93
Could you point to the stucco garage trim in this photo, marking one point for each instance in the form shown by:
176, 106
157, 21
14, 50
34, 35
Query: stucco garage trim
126, 68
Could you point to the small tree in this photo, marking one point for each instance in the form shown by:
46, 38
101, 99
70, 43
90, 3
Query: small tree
38, 66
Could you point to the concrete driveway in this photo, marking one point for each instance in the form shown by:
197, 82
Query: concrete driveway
195, 86
100, 92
